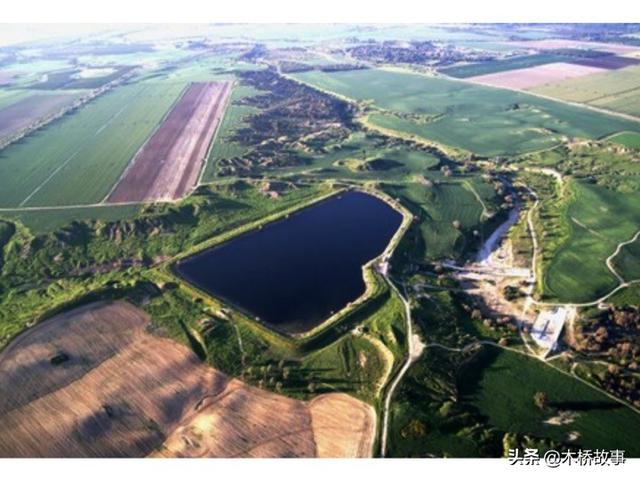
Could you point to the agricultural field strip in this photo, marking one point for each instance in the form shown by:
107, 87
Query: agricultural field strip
151, 134
529, 78
613, 94
446, 130
53, 174
192, 140
626, 116
101, 114
525, 92
225, 109
31, 111
72, 156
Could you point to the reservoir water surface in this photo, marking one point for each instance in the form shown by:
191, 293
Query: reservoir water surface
296, 272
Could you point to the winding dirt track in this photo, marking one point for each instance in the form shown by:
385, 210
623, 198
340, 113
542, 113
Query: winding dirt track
93, 383
167, 166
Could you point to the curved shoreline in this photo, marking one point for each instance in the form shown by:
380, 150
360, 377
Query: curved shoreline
368, 269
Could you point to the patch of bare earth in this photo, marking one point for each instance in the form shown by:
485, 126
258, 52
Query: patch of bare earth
244, 421
167, 166
27, 111
554, 44
525, 78
93, 383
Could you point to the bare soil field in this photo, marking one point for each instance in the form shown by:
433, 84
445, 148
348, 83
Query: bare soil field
244, 421
168, 164
524, 78
93, 383
609, 62
27, 111
553, 44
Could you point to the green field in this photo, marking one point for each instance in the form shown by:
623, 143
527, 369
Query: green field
502, 384
487, 121
234, 118
627, 262
598, 219
78, 158
437, 207
503, 65
48, 220
466, 409
617, 90
628, 139
485, 141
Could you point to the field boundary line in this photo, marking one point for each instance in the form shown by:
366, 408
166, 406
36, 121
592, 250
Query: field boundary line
135, 155
585, 106
53, 174
526, 92
225, 109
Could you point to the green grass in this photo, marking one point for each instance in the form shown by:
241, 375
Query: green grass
627, 296
44, 221
628, 139
516, 137
341, 360
501, 386
617, 90
577, 271
42, 272
78, 158
434, 235
234, 118
627, 262
464, 409
502, 65
487, 121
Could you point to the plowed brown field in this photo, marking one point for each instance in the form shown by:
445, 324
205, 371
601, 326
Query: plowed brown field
167, 166
93, 383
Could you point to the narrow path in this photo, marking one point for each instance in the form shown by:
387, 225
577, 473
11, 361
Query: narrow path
622, 282
412, 355
485, 211
534, 256
46, 180
240, 346
616, 252
387, 358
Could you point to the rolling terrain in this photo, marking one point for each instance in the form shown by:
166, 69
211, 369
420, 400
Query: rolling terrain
502, 314
118, 391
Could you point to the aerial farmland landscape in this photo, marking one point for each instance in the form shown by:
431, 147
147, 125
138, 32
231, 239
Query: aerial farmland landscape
320, 240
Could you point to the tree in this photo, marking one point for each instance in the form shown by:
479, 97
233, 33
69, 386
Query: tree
540, 400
